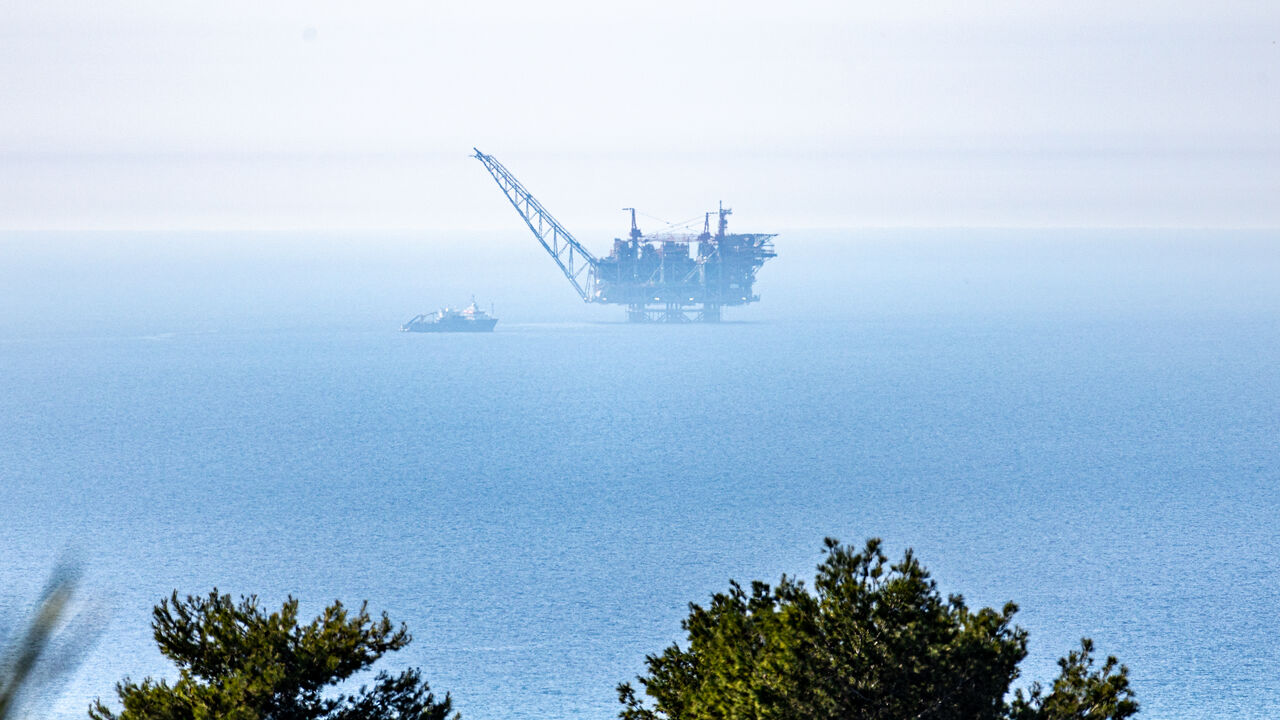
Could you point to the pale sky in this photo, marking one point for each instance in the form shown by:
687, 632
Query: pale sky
248, 115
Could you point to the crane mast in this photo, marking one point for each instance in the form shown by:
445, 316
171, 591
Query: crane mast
574, 260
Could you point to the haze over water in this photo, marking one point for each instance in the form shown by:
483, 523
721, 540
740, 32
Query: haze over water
1083, 422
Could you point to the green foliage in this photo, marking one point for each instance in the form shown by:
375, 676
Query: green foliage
874, 641
52, 644
237, 662
18, 665
1079, 692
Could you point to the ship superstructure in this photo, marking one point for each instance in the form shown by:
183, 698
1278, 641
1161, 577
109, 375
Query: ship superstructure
660, 278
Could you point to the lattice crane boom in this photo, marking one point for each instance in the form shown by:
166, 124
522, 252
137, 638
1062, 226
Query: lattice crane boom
575, 261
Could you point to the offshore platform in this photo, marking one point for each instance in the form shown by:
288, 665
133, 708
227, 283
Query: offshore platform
660, 278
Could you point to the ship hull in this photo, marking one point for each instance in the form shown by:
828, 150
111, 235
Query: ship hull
476, 326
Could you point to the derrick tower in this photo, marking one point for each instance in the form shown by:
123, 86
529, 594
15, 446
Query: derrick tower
667, 277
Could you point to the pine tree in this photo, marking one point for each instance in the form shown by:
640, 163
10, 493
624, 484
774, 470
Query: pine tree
236, 662
874, 641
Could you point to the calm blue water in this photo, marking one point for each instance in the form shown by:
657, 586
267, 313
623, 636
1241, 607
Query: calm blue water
1083, 422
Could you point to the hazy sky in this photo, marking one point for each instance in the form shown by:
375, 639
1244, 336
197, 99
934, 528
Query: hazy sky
360, 115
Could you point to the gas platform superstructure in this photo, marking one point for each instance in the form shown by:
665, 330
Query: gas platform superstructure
661, 278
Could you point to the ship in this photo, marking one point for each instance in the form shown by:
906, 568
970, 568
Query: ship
469, 319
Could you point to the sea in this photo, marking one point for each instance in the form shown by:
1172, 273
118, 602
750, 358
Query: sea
1085, 422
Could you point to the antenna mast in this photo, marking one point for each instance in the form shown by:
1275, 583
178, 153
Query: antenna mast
724, 222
